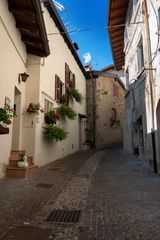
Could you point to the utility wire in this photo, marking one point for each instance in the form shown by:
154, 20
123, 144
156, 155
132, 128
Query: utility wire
93, 29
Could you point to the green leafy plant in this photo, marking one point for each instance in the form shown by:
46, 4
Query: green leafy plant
34, 108
55, 132
6, 114
67, 111
75, 93
51, 116
63, 99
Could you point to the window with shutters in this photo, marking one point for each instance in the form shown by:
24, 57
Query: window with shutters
48, 105
59, 86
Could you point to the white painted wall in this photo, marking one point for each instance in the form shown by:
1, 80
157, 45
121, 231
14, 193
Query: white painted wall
42, 80
40, 85
12, 62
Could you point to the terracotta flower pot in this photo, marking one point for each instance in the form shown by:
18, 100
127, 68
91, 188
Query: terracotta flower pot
4, 130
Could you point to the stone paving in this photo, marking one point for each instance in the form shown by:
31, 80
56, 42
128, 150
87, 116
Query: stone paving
119, 198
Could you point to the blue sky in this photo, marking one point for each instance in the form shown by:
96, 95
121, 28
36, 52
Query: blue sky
85, 14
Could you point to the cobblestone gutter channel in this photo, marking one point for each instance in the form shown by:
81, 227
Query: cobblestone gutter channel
74, 197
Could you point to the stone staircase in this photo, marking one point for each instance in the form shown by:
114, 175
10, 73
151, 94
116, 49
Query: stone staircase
12, 170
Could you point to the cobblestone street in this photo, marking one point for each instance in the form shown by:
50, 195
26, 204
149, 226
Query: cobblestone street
118, 196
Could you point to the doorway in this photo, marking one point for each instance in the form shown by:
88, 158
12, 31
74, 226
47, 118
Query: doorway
16, 120
158, 127
140, 137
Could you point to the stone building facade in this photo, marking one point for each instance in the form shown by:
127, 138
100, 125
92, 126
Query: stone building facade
105, 107
139, 58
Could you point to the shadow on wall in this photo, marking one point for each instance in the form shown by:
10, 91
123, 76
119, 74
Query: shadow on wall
150, 152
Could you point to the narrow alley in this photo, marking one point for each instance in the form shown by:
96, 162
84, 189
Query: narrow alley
115, 195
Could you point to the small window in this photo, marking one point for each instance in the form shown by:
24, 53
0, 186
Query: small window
159, 18
140, 56
114, 114
130, 12
115, 90
127, 78
48, 105
135, 4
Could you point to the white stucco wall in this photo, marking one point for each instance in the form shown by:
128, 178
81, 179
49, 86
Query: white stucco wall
12, 62
46, 151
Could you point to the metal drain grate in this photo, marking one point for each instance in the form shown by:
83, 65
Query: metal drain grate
64, 216
27, 233
44, 185
55, 169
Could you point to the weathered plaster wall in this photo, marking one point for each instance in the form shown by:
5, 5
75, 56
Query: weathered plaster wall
140, 88
106, 131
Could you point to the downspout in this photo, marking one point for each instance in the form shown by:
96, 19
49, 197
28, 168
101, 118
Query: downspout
151, 80
93, 110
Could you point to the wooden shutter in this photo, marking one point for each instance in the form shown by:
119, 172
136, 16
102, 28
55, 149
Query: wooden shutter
57, 88
73, 81
67, 96
67, 74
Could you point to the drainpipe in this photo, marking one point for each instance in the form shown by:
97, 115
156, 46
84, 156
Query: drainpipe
151, 80
93, 110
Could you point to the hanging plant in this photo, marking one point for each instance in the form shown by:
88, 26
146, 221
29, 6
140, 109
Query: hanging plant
34, 108
6, 114
63, 99
67, 111
75, 93
55, 132
52, 116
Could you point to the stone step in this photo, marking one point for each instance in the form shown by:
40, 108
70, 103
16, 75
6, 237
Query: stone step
16, 172
15, 154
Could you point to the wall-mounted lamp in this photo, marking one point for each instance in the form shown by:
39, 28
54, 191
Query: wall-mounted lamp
23, 77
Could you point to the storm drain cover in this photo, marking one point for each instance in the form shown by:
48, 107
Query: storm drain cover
64, 216
55, 169
44, 185
27, 233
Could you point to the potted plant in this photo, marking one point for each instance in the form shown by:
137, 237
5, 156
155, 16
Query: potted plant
63, 99
75, 93
34, 108
22, 162
51, 116
55, 132
6, 115
67, 111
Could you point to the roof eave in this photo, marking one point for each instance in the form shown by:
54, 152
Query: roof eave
42, 27
56, 18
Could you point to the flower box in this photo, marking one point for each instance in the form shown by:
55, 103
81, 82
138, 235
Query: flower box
3, 130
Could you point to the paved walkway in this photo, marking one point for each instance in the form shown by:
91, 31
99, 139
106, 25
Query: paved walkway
119, 198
